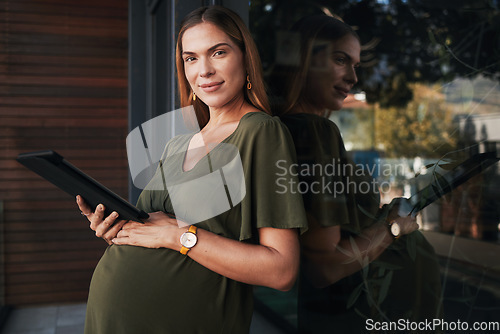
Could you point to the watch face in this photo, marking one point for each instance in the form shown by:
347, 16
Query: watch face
395, 229
188, 239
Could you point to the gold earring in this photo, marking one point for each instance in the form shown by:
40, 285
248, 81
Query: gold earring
194, 96
249, 84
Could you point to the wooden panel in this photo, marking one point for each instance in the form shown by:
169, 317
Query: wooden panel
67, 122
90, 3
66, 9
49, 267
78, 224
57, 60
26, 289
61, 81
58, 245
68, 29
68, 296
29, 18
77, 111
22, 279
47, 90
61, 101
63, 86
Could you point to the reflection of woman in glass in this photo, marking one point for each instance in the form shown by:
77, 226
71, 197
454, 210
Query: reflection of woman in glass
359, 262
151, 279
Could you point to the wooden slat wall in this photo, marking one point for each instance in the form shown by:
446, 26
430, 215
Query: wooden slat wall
63, 86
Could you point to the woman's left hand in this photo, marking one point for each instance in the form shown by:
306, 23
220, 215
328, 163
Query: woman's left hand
158, 231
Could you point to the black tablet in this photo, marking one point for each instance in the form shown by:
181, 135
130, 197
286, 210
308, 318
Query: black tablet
445, 183
55, 169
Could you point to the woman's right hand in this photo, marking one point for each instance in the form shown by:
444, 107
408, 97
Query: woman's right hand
397, 211
407, 224
105, 227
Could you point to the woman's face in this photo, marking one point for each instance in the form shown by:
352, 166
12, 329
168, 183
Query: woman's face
332, 73
213, 65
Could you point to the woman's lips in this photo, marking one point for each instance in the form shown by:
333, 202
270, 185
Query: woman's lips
342, 91
211, 86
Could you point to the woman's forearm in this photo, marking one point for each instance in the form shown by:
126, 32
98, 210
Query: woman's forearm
273, 263
336, 260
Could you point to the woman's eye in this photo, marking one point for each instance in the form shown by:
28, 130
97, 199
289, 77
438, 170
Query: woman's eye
218, 53
189, 59
340, 61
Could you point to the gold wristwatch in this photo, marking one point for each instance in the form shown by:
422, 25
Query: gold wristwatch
188, 239
395, 229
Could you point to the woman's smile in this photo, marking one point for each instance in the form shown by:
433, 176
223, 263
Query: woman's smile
343, 92
211, 86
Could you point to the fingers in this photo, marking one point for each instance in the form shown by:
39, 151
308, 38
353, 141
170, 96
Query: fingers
408, 224
108, 228
97, 217
103, 226
83, 206
399, 207
113, 231
163, 218
123, 236
131, 224
137, 234
94, 217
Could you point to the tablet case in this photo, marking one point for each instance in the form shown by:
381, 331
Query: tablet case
55, 169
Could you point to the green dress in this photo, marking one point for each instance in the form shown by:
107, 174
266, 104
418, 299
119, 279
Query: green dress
139, 290
402, 283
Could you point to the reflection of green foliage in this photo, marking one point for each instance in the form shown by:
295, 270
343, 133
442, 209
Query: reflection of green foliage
356, 126
422, 128
377, 279
282, 16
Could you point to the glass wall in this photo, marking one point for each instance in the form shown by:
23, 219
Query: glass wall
427, 100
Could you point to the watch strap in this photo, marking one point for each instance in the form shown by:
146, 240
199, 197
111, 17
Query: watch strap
184, 250
192, 229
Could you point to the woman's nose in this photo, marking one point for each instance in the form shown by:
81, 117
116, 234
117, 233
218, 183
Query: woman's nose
351, 76
206, 68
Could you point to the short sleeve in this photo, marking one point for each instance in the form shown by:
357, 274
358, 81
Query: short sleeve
269, 164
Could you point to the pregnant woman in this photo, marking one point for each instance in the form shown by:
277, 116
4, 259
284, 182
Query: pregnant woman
159, 278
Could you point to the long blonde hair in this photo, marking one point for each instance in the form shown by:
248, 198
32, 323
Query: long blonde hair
233, 26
